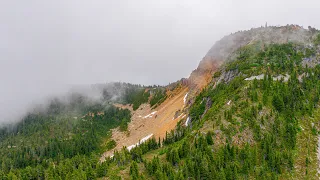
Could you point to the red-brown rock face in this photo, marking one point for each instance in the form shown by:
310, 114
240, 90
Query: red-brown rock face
223, 48
201, 76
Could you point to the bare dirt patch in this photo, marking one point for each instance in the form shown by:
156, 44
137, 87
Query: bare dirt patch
146, 121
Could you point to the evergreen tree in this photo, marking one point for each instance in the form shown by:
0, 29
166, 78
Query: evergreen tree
134, 171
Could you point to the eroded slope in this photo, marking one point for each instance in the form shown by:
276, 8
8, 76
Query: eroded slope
147, 121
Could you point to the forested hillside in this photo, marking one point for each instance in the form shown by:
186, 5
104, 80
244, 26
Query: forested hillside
126, 93
68, 130
257, 119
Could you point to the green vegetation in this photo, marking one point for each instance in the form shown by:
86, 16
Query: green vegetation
317, 40
217, 74
136, 97
259, 129
111, 144
280, 105
159, 95
42, 140
269, 110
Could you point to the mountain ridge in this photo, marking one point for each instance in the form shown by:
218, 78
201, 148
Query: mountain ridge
249, 110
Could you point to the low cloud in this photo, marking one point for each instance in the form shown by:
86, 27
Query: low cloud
47, 48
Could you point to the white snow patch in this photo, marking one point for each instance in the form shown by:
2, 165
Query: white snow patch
150, 115
285, 78
146, 138
140, 142
187, 121
185, 98
259, 77
277, 78
131, 147
180, 116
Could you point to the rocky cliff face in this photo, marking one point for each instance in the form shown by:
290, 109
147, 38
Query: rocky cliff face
221, 50
201, 76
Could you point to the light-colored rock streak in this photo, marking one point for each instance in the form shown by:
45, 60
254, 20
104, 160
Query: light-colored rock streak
259, 77
187, 121
150, 115
277, 78
140, 142
185, 98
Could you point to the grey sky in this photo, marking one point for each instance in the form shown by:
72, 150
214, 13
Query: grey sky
47, 45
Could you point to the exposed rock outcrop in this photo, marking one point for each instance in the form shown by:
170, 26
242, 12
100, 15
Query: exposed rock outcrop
200, 77
208, 105
224, 49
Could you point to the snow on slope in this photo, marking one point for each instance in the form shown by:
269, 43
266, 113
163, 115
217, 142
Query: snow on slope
150, 115
144, 121
185, 98
187, 122
140, 142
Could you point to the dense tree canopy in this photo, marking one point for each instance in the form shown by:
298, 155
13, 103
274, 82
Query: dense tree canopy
251, 130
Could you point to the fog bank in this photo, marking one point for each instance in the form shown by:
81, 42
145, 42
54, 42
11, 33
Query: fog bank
47, 47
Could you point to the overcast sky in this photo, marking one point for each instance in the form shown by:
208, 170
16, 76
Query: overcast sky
48, 45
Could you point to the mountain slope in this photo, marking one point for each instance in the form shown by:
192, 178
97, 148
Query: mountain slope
222, 49
251, 107
147, 121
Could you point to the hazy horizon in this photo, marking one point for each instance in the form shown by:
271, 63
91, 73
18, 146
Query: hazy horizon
47, 46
